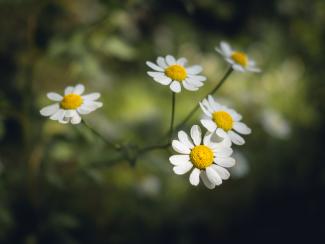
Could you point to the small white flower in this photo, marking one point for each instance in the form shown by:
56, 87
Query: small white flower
208, 158
238, 60
223, 121
172, 72
69, 107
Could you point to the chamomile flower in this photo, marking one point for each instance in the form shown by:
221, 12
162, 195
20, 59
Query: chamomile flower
173, 72
208, 158
237, 59
69, 107
225, 122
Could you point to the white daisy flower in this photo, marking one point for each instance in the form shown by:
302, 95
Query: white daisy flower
208, 158
69, 107
172, 72
223, 121
238, 60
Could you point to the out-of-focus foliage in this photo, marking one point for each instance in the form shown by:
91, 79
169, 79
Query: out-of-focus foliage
59, 184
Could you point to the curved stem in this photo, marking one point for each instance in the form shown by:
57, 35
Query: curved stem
192, 112
172, 115
171, 130
153, 147
109, 143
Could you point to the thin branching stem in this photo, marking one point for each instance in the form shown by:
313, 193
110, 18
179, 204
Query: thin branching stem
154, 147
216, 88
172, 117
108, 142
171, 130
138, 152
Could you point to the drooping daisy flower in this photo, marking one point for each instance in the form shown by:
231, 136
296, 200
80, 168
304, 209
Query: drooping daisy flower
223, 120
172, 72
238, 60
208, 158
69, 107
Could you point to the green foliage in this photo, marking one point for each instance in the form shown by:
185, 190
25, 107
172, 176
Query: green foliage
60, 184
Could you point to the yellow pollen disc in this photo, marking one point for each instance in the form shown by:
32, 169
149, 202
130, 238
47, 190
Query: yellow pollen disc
176, 72
240, 58
71, 101
201, 156
223, 120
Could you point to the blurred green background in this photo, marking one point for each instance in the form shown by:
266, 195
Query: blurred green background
60, 184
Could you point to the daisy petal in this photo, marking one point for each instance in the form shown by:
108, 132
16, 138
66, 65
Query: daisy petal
254, 69
68, 90
76, 119
182, 168
225, 162
194, 81
61, 116
235, 138
213, 176
226, 139
209, 124
69, 113
195, 177
170, 60
206, 181
183, 138
238, 68
225, 48
219, 51
161, 62
79, 89
196, 134
223, 173
164, 80
181, 61
242, 128
188, 86
84, 110
236, 116
155, 74
180, 147
54, 96
92, 105
213, 104
64, 120
175, 86
179, 159
207, 105
91, 96
193, 70
198, 78
207, 139
204, 109
154, 66
222, 151
50, 110
57, 114
251, 63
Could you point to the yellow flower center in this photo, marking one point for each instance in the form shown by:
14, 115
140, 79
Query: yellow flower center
71, 101
201, 156
223, 120
240, 58
176, 72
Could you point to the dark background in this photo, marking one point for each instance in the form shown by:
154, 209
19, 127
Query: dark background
60, 184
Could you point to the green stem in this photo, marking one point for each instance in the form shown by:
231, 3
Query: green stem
192, 112
153, 147
171, 130
109, 143
172, 115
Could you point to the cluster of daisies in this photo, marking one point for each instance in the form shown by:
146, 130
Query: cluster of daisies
207, 155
